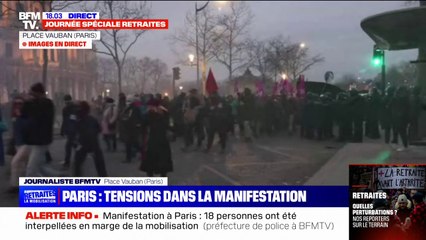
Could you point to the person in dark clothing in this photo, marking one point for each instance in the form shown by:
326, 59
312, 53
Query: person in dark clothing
329, 115
320, 117
68, 127
291, 111
87, 136
176, 112
356, 104
192, 120
415, 110
218, 115
231, 127
246, 110
308, 116
340, 114
158, 156
401, 111
386, 113
38, 115
372, 116
268, 116
131, 120
279, 116
416, 226
118, 128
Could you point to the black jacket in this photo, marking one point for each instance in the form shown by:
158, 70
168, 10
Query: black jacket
69, 119
88, 130
38, 115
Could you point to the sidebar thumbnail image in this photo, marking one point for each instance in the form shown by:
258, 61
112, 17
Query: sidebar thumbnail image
387, 202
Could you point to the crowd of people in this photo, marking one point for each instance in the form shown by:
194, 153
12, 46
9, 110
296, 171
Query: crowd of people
409, 221
146, 124
345, 116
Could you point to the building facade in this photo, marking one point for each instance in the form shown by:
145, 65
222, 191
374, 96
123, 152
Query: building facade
69, 71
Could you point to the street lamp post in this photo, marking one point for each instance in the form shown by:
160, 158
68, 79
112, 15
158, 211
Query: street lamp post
196, 38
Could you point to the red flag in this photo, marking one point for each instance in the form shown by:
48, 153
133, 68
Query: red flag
211, 85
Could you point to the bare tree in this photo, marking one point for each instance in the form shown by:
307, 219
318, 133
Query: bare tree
145, 71
276, 52
185, 38
230, 41
106, 70
158, 72
299, 61
258, 58
289, 57
116, 43
131, 75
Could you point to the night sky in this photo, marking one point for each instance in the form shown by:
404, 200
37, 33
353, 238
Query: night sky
331, 29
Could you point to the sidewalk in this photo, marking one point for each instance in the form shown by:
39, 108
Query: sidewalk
336, 170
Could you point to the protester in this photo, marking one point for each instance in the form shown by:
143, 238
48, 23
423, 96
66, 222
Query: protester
131, 124
403, 205
20, 158
158, 157
193, 122
416, 224
87, 136
38, 115
109, 125
218, 122
68, 127
401, 116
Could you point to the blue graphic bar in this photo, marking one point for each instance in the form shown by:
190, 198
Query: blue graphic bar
184, 196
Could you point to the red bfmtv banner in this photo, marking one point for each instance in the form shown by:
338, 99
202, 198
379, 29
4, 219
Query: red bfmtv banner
99, 24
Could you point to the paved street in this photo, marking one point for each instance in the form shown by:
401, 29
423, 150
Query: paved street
280, 160
277, 160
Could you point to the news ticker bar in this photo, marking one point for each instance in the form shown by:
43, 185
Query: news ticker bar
183, 196
93, 181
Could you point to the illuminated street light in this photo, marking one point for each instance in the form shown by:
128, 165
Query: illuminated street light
220, 4
166, 94
284, 76
191, 58
302, 45
107, 90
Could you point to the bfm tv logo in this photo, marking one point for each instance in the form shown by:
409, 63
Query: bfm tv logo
39, 196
